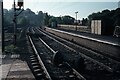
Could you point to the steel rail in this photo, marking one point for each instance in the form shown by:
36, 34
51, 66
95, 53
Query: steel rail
40, 60
75, 72
99, 63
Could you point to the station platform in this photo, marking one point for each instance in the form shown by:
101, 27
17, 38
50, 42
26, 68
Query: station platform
13, 68
110, 39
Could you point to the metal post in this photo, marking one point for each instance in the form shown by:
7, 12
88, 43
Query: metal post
14, 20
20, 4
2, 26
76, 21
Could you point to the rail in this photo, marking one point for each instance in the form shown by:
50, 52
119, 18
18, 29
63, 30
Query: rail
40, 60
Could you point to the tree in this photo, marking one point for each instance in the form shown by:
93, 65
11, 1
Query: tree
67, 20
85, 22
40, 18
46, 19
22, 21
110, 19
59, 20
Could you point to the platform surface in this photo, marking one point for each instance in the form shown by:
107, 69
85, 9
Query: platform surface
110, 39
13, 68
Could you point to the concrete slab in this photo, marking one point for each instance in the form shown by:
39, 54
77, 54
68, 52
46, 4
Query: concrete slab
15, 69
6, 67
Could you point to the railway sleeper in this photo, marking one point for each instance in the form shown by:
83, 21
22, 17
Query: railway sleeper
34, 34
38, 69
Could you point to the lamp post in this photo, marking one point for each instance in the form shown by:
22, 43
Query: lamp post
1, 24
76, 20
20, 4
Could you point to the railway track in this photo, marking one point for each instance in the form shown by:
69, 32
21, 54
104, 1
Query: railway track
92, 64
102, 60
44, 55
103, 47
70, 60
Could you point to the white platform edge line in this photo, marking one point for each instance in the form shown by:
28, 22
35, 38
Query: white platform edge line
107, 42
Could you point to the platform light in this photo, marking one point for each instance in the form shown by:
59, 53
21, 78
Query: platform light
20, 3
76, 20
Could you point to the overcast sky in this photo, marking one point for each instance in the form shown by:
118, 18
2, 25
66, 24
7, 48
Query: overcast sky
66, 7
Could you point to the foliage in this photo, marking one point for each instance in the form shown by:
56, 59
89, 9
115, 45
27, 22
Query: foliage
67, 20
108, 16
85, 22
29, 18
10, 48
40, 18
110, 19
22, 21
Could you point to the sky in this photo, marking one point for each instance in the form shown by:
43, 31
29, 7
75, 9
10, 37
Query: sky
66, 7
